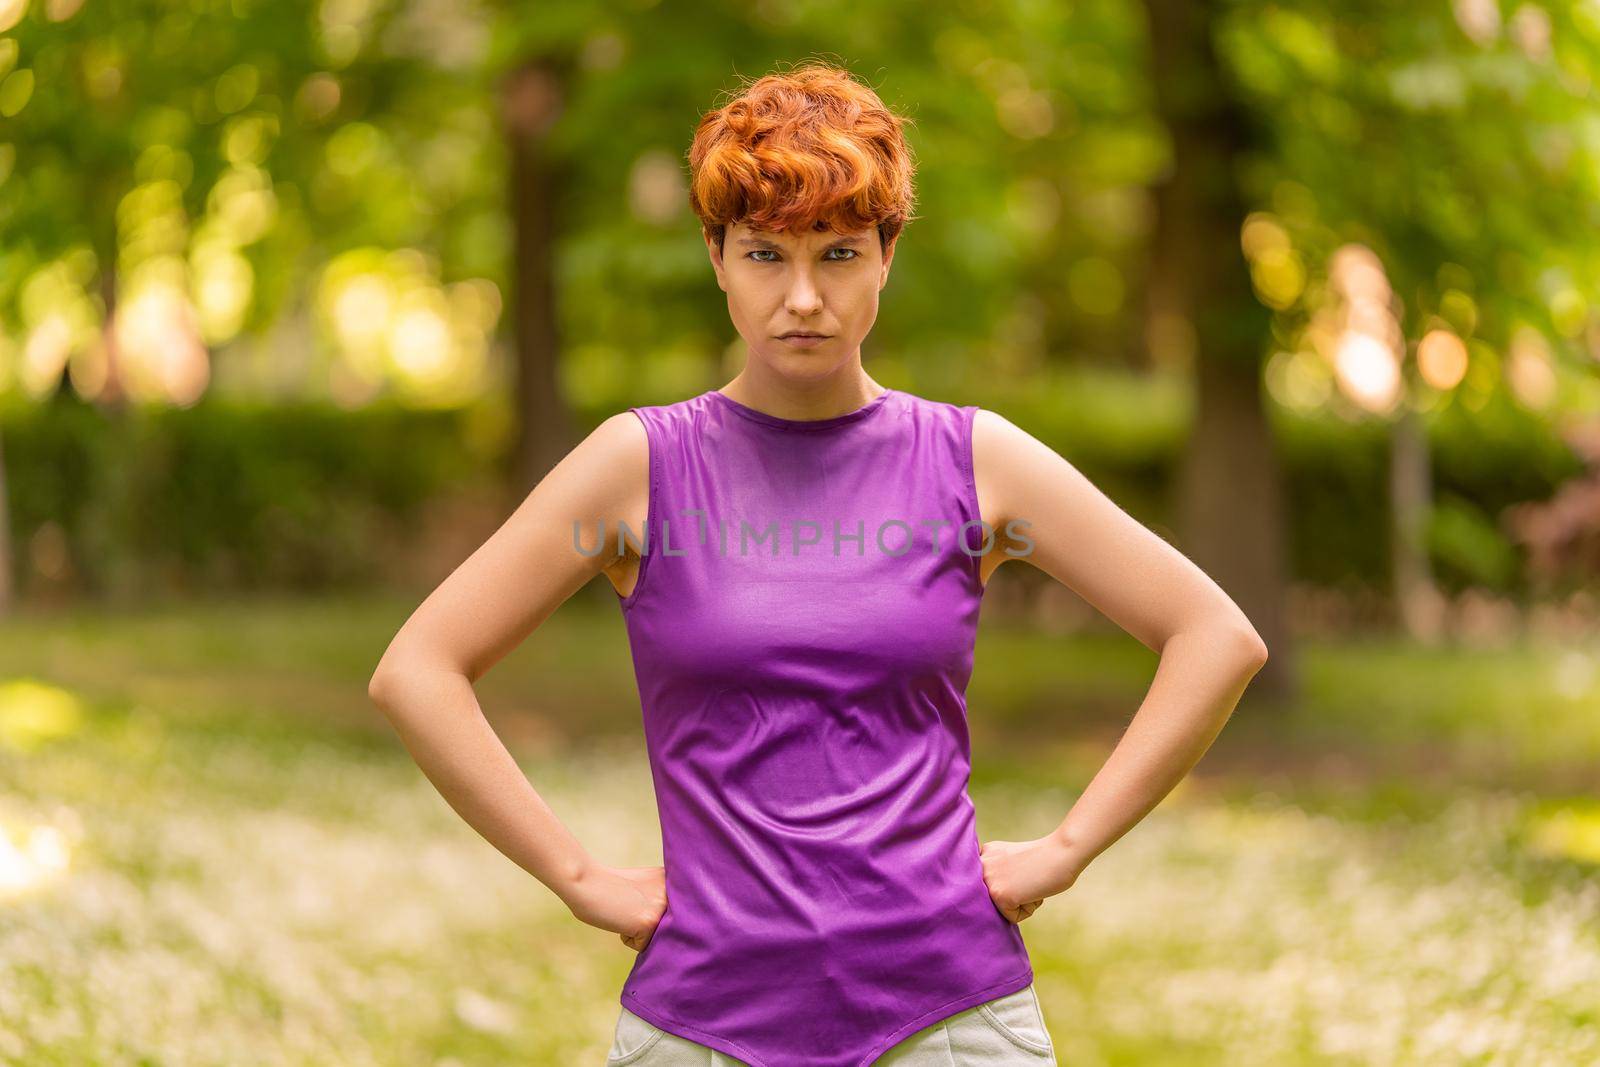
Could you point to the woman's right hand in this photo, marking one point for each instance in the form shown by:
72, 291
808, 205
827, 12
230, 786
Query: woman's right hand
628, 901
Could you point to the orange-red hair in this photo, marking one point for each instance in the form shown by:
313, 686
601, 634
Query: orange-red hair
811, 148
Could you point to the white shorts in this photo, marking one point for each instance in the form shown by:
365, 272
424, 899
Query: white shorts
1008, 1031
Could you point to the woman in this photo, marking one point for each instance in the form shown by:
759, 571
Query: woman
825, 900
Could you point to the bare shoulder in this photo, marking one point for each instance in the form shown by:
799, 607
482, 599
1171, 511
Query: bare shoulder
621, 431
1004, 456
993, 433
620, 438
612, 465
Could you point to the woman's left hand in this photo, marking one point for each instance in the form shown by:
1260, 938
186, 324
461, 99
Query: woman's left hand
1021, 874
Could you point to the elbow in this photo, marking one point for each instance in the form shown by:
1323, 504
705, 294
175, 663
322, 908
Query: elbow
393, 675
378, 689
1254, 649
383, 686
402, 682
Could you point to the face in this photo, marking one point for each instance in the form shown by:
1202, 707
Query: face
820, 282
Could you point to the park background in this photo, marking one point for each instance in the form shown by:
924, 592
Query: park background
297, 300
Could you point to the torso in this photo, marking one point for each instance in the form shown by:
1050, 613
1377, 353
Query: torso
805, 719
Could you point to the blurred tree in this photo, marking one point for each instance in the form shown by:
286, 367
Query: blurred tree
7, 592
1423, 220
532, 96
137, 132
1230, 496
142, 170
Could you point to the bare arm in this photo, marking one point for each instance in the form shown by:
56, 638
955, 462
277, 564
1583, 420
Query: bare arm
485, 608
1209, 650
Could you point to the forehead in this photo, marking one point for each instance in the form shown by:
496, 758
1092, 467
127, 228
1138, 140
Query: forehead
743, 233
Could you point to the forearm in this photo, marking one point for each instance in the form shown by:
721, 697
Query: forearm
437, 716
1198, 682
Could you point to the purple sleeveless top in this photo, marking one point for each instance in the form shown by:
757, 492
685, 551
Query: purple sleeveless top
802, 631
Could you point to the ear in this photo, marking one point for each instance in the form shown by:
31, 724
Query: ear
716, 258
888, 258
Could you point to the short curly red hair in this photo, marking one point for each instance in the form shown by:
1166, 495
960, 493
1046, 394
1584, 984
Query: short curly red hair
810, 148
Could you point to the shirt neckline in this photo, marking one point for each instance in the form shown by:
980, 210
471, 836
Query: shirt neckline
800, 424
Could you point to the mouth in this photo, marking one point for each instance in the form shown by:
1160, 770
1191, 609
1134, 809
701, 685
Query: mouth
802, 335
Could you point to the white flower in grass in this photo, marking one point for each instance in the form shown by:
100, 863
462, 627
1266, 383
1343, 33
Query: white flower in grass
484, 1013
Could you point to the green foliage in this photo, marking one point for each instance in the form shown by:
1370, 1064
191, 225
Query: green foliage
1337, 476
226, 495
1463, 538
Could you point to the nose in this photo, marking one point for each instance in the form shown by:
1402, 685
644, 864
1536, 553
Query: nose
803, 297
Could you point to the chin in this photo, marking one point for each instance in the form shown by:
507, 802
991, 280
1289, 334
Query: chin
805, 362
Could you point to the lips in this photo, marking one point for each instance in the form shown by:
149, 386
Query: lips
800, 333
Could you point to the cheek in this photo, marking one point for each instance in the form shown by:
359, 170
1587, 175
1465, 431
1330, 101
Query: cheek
862, 301
738, 301
747, 294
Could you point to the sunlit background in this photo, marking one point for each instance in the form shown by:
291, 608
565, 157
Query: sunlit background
297, 300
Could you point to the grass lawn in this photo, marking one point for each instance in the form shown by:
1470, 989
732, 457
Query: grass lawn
214, 850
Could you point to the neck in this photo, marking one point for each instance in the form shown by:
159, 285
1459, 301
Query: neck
787, 398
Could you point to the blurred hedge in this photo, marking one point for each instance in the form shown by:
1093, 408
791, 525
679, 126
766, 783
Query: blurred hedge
273, 496
229, 495
1127, 434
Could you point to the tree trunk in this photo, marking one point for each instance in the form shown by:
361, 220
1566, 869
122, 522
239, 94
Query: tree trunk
1229, 495
1411, 503
7, 557
532, 97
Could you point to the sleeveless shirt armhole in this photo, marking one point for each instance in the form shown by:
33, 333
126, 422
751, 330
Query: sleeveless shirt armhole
649, 549
969, 415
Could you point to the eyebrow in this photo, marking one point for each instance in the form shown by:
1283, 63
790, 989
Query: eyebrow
764, 243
